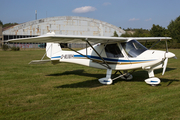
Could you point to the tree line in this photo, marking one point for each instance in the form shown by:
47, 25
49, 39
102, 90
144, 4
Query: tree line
7, 24
173, 31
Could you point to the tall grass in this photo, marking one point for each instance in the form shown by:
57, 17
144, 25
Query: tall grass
70, 91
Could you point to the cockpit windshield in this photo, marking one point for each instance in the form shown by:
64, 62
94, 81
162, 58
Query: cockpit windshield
133, 48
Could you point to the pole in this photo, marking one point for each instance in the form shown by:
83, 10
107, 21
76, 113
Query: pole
36, 14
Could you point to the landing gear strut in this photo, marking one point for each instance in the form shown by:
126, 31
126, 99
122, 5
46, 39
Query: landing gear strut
107, 80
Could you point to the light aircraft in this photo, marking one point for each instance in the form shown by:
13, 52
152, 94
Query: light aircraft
121, 54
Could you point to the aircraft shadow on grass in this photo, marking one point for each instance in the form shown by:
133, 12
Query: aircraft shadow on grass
88, 83
138, 76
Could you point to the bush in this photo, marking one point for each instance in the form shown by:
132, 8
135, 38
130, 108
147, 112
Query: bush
174, 45
15, 48
5, 47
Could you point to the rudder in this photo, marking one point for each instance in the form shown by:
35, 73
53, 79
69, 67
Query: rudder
52, 48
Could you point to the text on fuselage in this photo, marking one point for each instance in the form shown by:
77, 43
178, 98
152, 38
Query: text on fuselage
67, 56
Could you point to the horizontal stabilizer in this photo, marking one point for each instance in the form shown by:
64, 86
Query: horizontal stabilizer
39, 61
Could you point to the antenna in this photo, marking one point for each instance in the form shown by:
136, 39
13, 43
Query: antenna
35, 14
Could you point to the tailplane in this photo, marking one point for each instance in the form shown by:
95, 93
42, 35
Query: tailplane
51, 50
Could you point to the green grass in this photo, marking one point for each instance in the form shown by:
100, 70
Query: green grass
70, 91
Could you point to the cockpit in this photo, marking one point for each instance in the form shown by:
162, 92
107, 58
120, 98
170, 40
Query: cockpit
113, 51
132, 48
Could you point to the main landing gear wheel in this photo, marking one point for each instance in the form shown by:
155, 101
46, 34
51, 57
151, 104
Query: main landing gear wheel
105, 81
128, 76
125, 76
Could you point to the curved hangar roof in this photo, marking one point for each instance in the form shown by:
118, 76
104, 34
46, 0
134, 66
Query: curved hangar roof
65, 25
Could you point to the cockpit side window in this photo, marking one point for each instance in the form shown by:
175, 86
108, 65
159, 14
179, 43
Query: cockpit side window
113, 51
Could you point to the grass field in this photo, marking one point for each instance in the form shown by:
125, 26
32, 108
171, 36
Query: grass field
70, 91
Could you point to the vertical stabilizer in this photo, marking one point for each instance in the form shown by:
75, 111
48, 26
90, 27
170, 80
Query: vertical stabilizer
52, 49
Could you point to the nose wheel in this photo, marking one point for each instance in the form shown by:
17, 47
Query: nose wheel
153, 81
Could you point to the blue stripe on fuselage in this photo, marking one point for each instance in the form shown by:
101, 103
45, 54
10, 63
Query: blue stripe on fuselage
56, 57
106, 59
112, 60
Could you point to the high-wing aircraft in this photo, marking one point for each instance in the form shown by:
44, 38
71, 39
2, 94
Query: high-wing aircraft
121, 54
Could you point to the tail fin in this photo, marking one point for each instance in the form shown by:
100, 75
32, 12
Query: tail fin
52, 48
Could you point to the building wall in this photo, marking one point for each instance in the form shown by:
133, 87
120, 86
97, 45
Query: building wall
66, 25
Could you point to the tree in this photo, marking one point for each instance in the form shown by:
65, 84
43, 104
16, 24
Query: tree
9, 24
1, 23
141, 33
158, 31
174, 29
136, 33
127, 35
115, 34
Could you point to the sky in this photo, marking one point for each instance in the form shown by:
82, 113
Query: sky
121, 13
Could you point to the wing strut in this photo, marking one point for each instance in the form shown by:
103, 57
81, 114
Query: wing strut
98, 54
85, 56
155, 44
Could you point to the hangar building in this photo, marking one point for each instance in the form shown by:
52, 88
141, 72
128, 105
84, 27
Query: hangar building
65, 25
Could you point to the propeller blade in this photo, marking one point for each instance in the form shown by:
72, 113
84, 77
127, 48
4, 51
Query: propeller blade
166, 59
175, 57
165, 65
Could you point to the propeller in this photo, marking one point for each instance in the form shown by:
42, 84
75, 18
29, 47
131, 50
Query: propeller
165, 60
165, 65
166, 56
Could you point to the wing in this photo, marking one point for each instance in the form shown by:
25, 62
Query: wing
144, 39
67, 39
51, 37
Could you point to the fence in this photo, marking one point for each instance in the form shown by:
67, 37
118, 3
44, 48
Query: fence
43, 45
26, 45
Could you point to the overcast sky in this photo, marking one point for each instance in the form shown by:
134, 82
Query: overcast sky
121, 13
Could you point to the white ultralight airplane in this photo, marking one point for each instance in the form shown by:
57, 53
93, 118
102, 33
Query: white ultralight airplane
110, 53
